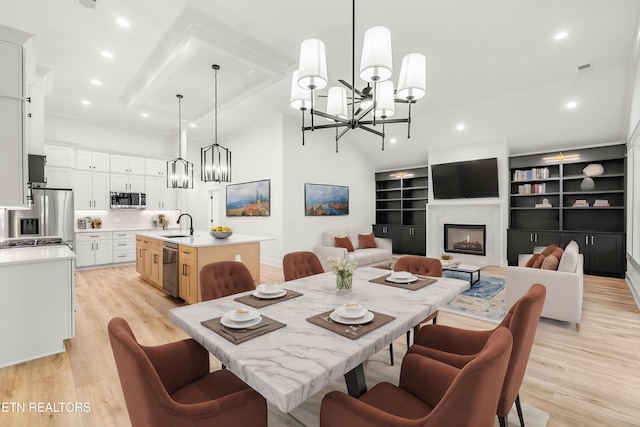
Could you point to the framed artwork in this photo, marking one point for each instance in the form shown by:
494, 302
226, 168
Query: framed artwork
322, 200
249, 198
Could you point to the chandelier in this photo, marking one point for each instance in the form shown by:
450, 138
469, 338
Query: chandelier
378, 98
215, 159
180, 171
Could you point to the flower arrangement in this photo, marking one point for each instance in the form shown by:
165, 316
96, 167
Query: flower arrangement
343, 269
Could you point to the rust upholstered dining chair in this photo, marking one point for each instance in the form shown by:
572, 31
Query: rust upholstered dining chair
421, 266
170, 385
223, 278
458, 346
430, 393
300, 264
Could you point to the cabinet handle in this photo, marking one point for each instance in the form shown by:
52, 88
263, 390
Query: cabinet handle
586, 240
531, 237
140, 253
97, 246
592, 240
91, 246
536, 237
122, 256
122, 244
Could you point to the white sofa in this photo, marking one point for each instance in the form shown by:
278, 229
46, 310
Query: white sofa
564, 288
364, 257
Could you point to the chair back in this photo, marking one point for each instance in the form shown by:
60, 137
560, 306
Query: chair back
420, 265
223, 278
144, 393
471, 397
301, 264
522, 320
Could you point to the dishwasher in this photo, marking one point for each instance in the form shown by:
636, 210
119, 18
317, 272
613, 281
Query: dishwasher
170, 268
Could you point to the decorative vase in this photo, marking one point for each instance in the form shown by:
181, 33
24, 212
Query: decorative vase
343, 282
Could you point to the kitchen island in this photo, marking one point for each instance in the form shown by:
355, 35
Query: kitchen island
155, 254
37, 305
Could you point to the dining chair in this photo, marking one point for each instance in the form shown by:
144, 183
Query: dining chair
170, 385
301, 264
429, 393
422, 266
223, 278
459, 346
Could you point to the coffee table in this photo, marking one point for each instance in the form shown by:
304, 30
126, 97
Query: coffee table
469, 269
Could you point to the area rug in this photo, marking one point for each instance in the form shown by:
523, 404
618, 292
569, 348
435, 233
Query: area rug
377, 369
484, 300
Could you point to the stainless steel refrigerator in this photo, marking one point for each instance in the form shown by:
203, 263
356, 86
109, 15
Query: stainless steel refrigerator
51, 215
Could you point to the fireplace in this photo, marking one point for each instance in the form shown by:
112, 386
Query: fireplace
465, 239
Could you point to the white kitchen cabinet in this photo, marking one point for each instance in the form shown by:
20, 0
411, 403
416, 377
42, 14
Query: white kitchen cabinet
127, 183
94, 248
127, 164
92, 160
91, 190
58, 177
59, 156
156, 167
158, 195
13, 116
124, 246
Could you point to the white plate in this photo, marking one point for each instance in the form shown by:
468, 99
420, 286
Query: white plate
269, 290
401, 275
232, 315
343, 313
260, 295
239, 325
409, 280
359, 321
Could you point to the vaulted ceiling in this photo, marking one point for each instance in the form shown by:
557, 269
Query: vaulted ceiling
493, 66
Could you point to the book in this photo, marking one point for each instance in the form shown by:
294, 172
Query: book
543, 205
580, 203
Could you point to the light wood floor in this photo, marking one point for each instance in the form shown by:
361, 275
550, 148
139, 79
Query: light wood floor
590, 378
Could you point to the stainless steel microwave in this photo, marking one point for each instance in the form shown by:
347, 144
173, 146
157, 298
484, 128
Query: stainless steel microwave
128, 200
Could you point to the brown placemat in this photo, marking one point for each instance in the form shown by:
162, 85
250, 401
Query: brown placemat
237, 336
414, 286
256, 302
350, 331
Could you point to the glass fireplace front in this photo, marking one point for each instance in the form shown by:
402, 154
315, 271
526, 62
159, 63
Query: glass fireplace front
465, 239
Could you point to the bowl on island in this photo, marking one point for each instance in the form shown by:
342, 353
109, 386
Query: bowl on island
221, 234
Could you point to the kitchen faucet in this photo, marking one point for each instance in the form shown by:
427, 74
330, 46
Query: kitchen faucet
190, 222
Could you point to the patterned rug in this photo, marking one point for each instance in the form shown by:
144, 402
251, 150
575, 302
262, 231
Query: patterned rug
485, 300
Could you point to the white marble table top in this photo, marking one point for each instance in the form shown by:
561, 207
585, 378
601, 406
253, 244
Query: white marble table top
289, 365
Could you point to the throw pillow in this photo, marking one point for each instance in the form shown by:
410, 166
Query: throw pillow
532, 260
539, 261
549, 250
366, 241
568, 262
558, 253
550, 263
572, 246
344, 242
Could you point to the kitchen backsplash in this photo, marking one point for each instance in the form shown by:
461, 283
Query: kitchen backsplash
124, 219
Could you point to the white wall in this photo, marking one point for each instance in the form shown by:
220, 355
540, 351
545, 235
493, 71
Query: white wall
317, 163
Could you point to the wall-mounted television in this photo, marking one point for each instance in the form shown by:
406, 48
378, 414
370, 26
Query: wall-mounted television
465, 180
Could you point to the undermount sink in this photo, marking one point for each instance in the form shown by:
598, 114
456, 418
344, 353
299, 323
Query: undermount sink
174, 236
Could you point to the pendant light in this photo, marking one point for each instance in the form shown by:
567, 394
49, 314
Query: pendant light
215, 159
180, 171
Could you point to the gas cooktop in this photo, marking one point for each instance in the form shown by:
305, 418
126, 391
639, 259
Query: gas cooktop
22, 243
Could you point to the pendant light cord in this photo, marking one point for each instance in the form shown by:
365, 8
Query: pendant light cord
179, 126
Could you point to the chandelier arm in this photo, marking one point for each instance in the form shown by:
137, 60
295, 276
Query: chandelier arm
370, 122
302, 110
329, 126
360, 126
383, 133
330, 116
350, 87
364, 113
409, 121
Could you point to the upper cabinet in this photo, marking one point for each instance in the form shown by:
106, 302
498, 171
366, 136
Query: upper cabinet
92, 160
155, 167
59, 156
127, 164
13, 116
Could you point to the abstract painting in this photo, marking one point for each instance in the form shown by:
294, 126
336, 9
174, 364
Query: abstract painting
249, 198
321, 200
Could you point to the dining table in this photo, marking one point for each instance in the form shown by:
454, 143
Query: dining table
290, 364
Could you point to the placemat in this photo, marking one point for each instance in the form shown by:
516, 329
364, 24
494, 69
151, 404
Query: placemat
260, 303
350, 331
238, 336
414, 286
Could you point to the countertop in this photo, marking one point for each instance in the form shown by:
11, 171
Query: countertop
125, 230
35, 254
202, 238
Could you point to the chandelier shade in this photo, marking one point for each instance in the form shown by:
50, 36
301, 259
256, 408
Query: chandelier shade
180, 171
376, 63
337, 102
312, 70
300, 98
385, 102
412, 83
215, 160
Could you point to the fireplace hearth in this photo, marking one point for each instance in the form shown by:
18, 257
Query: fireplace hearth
465, 239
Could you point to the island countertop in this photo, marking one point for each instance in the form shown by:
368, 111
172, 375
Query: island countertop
202, 238
35, 254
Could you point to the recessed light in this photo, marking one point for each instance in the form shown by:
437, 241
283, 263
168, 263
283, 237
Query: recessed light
107, 54
123, 22
460, 126
193, 125
85, 102
393, 140
145, 115
95, 82
571, 105
561, 35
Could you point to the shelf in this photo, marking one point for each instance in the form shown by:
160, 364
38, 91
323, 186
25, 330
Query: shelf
533, 208
536, 180
606, 175
577, 193
410, 192
587, 208
534, 194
